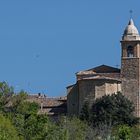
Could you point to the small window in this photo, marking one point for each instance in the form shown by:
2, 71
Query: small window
130, 51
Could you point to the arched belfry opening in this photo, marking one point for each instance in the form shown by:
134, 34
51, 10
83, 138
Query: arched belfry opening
130, 51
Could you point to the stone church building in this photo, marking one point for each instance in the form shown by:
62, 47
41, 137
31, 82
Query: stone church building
104, 80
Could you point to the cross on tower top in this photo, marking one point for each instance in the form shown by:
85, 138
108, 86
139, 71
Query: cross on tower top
131, 13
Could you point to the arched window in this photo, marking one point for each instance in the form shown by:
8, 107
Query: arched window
130, 51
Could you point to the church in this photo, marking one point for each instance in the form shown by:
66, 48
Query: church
106, 80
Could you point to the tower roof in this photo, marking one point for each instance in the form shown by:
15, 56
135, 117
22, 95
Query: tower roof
131, 32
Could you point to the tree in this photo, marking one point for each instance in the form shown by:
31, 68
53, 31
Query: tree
27, 108
7, 130
85, 112
6, 94
122, 132
35, 127
26, 120
56, 131
77, 129
135, 132
18, 99
23, 114
112, 110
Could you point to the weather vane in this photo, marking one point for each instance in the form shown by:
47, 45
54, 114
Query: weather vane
131, 12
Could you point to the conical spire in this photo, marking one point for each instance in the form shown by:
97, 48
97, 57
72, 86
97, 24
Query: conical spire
131, 32
131, 22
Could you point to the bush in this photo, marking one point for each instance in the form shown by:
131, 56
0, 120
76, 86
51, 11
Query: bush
7, 130
110, 110
136, 132
122, 132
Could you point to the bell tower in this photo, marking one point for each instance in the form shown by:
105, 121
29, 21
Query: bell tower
130, 65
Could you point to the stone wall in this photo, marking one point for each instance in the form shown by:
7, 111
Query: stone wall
99, 88
86, 92
89, 90
72, 100
112, 87
136, 46
130, 81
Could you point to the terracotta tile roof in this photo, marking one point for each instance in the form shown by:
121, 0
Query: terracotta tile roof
115, 76
100, 78
100, 69
100, 72
51, 106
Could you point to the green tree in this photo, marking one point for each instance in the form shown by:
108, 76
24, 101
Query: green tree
7, 130
27, 108
135, 132
35, 127
75, 128
6, 94
69, 129
112, 110
56, 131
26, 120
122, 132
85, 112
18, 99
23, 114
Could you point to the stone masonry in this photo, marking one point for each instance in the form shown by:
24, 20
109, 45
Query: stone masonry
103, 80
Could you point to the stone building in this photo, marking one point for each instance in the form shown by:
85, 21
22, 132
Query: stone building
92, 84
53, 107
104, 80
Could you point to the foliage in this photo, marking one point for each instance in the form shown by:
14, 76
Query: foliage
6, 94
35, 127
7, 130
77, 129
56, 132
112, 110
135, 132
27, 108
85, 112
22, 113
26, 120
20, 119
69, 129
18, 99
122, 132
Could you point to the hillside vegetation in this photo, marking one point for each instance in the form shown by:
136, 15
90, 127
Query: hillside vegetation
108, 118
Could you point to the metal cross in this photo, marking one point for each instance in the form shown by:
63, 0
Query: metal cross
131, 12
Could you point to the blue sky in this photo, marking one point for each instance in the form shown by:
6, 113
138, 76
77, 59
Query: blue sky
43, 43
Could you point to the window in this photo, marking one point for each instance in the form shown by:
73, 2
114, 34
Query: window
130, 51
